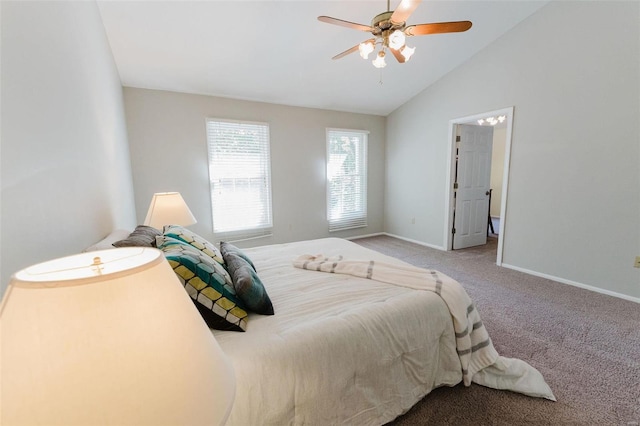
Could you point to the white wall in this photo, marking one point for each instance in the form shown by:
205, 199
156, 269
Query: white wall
574, 191
167, 137
66, 176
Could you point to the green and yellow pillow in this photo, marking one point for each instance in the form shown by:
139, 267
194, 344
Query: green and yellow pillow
208, 284
195, 240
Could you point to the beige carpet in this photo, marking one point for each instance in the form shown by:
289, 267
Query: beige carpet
587, 345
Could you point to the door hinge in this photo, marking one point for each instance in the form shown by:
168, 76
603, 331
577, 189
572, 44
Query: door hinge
457, 138
455, 185
453, 230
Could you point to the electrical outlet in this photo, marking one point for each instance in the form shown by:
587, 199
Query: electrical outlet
637, 262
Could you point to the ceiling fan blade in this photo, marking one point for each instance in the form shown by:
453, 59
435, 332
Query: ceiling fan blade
340, 22
346, 52
404, 10
437, 28
398, 55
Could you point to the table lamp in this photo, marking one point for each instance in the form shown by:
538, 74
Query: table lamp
168, 208
108, 338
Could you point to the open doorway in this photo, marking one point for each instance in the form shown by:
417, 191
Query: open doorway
500, 175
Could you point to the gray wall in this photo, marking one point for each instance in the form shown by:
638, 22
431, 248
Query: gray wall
167, 138
66, 177
574, 195
574, 191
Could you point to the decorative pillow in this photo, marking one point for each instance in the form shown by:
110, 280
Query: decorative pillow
230, 248
209, 285
142, 236
163, 242
195, 240
247, 284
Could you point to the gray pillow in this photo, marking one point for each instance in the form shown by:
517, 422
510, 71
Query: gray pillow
247, 284
230, 248
142, 236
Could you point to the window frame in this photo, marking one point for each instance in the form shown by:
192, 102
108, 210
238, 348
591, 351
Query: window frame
357, 219
265, 227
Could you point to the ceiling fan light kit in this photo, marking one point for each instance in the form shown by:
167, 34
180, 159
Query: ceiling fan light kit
396, 40
407, 52
390, 31
379, 61
365, 48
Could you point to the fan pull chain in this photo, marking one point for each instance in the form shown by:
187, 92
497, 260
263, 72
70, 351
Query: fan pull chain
380, 82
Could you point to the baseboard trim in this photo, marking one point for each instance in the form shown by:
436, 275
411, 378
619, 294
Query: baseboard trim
573, 283
516, 268
357, 237
420, 243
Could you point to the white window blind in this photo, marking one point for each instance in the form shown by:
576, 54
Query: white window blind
240, 178
346, 179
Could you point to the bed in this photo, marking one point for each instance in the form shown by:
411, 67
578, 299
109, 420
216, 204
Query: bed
326, 332
342, 349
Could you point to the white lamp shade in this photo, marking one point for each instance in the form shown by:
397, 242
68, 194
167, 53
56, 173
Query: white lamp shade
168, 208
122, 347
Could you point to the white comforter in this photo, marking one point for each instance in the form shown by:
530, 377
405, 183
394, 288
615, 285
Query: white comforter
473, 344
339, 349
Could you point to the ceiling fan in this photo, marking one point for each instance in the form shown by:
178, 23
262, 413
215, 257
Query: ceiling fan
390, 30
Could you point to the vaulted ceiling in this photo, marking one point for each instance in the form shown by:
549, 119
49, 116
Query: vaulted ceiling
278, 52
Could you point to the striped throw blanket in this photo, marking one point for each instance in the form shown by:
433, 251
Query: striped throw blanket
473, 344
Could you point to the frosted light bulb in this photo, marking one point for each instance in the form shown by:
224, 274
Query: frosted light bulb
407, 52
365, 49
379, 62
396, 40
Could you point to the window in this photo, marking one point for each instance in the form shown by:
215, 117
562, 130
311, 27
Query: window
346, 179
240, 178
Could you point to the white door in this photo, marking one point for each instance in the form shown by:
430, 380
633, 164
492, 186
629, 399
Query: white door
473, 172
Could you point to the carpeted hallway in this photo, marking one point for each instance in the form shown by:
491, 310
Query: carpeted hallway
587, 345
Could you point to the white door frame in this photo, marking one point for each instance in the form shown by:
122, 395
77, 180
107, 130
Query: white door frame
451, 157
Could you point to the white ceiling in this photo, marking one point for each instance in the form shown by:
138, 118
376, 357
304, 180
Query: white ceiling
278, 52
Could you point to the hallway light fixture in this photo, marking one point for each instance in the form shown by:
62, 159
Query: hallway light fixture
492, 121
